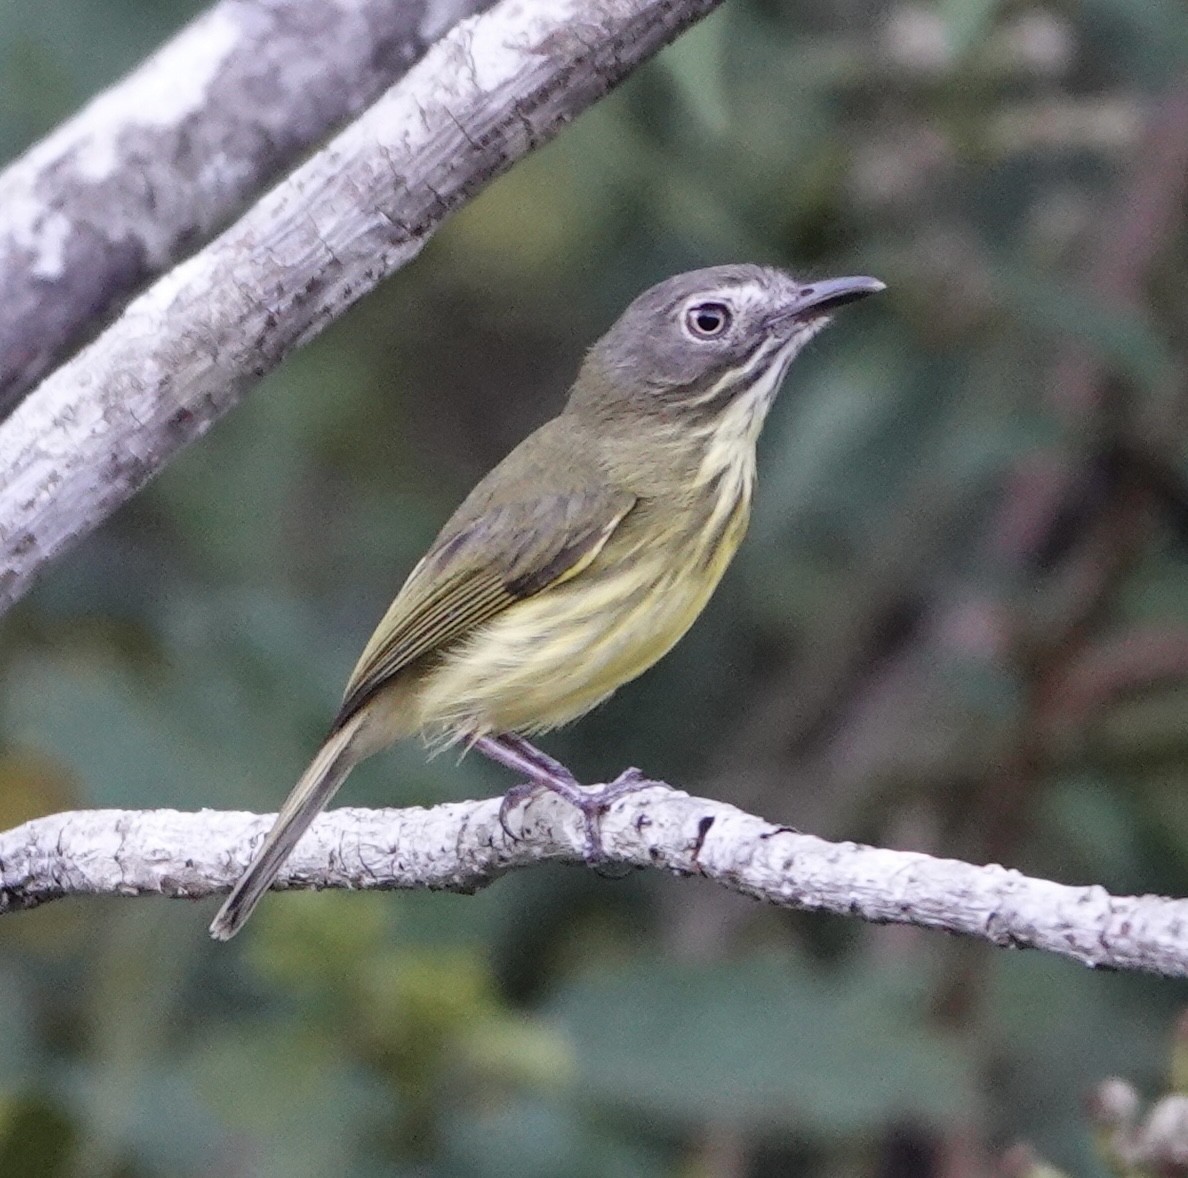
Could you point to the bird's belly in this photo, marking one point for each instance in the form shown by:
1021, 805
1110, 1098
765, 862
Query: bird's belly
549, 658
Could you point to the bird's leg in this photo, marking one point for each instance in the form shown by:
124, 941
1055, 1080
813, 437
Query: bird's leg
512, 752
542, 771
530, 753
590, 795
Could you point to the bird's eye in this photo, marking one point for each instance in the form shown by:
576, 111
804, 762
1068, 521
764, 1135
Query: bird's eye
707, 320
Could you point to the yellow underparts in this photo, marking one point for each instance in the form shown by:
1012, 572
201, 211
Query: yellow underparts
549, 658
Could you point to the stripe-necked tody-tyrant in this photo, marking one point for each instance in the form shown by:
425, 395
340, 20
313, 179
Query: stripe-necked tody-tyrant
585, 554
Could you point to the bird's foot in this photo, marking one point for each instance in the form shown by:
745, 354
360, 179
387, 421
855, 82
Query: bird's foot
592, 801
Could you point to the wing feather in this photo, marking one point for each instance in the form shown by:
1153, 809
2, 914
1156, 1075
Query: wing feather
474, 572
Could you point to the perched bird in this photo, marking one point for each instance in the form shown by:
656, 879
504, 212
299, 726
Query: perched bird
585, 554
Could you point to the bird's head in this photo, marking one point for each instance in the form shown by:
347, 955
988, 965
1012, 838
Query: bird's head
692, 346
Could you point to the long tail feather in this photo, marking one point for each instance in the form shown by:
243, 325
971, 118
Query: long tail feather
326, 772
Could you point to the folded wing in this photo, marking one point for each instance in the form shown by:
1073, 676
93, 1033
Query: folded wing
476, 570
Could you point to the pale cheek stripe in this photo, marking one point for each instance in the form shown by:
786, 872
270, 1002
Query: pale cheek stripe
734, 375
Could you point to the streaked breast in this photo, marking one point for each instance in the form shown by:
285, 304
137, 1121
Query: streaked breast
551, 657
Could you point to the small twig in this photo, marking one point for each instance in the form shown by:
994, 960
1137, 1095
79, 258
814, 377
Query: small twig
462, 847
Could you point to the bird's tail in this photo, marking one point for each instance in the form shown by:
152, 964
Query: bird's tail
326, 772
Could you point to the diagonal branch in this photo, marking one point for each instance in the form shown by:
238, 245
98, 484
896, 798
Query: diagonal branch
188, 349
462, 847
169, 154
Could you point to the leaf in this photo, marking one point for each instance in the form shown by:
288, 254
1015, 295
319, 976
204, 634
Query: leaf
762, 1042
535, 1137
311, 1110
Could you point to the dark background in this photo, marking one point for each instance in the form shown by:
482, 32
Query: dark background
959, 624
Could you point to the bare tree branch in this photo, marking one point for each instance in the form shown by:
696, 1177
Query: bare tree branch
152, 167
462, 847
185, 351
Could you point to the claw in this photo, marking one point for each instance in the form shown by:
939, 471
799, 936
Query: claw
543, 772
516, 796
590, 801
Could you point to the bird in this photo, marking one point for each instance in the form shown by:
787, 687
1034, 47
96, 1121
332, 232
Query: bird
584, 555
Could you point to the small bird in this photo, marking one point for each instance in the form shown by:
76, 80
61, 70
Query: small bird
584, 555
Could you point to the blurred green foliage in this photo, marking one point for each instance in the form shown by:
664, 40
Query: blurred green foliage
953, 627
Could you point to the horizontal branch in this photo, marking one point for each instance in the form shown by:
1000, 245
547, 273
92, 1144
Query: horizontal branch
152, 167
462, 847
187, 350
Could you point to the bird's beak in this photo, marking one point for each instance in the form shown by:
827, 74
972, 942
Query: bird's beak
815, 299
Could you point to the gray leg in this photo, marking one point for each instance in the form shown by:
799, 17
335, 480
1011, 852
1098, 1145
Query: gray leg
553, 769
542, 771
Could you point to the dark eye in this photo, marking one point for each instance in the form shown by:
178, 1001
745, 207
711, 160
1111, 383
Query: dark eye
707, 320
